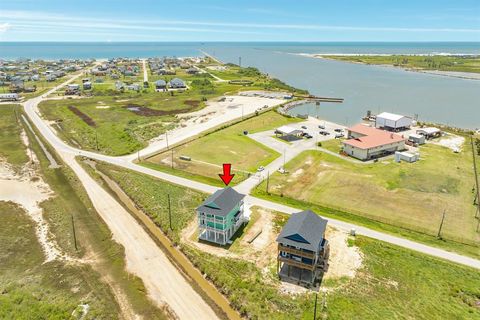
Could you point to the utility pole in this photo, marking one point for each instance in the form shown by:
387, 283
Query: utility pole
172, 158
268, 179
96, 137
166, 138
74, 234
169, 211
138, 155
477, 195
315, 307
441, 225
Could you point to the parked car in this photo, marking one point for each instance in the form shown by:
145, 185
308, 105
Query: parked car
324, 133
339, 135
321, 127
308, 136
261, 168
304, 127
338, 130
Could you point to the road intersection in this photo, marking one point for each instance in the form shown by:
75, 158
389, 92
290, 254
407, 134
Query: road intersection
68, 154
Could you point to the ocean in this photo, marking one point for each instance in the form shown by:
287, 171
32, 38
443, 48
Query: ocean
433, 98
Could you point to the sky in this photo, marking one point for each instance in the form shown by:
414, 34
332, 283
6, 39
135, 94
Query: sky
210, 20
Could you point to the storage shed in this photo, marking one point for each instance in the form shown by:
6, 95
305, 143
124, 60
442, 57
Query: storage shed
416, 138
429, 132
393, 122
288, 133
406, 156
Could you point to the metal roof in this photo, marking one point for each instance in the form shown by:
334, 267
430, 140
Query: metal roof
429, 130
221, 202
177, 81
304, 230
390, 116
288, 130
371, 137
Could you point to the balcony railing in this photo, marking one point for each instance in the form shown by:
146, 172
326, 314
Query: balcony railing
297, 252
297, 263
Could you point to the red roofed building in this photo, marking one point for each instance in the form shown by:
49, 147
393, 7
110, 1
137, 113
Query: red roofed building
367, 143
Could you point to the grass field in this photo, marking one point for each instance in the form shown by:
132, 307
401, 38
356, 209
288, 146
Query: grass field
393, 282
116, 130
227, 145
443, 63
411, 196
151, 196
34, 290
11, 148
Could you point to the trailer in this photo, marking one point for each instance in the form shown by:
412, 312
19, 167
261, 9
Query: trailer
9, 97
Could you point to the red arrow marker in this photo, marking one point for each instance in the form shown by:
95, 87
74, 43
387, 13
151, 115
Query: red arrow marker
226, 176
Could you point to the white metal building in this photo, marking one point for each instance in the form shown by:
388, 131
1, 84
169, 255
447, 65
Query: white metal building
406, 156
9, 96
391, 121
430, 132
416, 138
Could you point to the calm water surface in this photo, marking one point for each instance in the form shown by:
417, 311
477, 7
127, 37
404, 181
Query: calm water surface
434, 98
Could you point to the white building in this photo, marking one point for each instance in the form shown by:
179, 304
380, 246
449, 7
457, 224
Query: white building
416, 138
9, 97
406, 156
393, 122
429, 132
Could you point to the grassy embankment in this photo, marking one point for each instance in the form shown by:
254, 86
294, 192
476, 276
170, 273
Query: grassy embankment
442, 63
227, 145
393, 282
32, 289
386, 195
106, 121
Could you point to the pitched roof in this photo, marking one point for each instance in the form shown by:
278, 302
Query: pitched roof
221, 202
304, 230
390, 116
372, 137
288, 130
429, 130
177, 81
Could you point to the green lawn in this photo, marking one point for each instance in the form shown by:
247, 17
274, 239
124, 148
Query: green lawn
411, 196
228, 145
334, 145
443, 63
393, 283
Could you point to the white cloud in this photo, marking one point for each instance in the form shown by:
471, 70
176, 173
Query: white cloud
4, 27
39, 19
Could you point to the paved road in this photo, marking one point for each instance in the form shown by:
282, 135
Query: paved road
144, 258
145, 73
60, 146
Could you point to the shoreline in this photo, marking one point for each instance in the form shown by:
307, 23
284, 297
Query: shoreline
451, 74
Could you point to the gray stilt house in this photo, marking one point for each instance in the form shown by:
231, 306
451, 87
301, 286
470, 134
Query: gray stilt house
302, 248
220, 216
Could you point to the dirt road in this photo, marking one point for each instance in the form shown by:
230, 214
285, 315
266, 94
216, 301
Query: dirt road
144, 258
